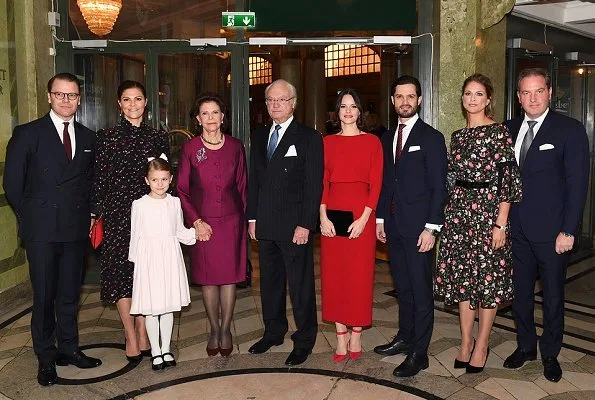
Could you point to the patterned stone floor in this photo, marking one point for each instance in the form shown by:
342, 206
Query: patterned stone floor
246, 376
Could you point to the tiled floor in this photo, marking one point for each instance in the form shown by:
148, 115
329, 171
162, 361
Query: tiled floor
246, 376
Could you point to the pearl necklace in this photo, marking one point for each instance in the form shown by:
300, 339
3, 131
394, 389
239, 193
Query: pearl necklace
212, 143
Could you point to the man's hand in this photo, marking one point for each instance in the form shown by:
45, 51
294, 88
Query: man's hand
426, 241
564, 243
252, 230
380, 234
300, 235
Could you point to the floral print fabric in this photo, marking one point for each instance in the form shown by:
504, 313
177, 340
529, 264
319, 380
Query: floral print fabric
468, 268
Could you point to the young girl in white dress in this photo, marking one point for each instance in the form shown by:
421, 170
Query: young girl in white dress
160, 285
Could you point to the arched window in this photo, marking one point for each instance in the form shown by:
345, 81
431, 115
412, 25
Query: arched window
350, 59
261, 71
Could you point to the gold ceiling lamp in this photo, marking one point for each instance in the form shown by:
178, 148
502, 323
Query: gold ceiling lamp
100, 15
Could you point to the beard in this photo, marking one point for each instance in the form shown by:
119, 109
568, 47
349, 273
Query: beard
408, 112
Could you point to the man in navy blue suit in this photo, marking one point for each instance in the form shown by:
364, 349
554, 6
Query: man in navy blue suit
553, 154
47, 175
410, 214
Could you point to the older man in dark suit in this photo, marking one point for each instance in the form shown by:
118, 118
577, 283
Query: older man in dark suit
410, 214
553, 154
47, 177
284, 194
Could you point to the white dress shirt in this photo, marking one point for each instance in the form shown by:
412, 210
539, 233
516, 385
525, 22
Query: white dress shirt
523, 131
59, 124
404, 136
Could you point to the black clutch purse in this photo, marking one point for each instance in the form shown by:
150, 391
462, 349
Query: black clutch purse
341, 220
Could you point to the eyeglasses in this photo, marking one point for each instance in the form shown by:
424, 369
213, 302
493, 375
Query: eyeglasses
69, 96
282, 100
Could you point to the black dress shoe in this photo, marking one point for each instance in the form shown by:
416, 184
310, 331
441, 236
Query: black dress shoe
135, 359
472, 369
171, 363
157, 367
395, 346
412, 365
263, 345
464, 364
519, 357
146, 353
297, 356
46, 373
78, 359
551, 369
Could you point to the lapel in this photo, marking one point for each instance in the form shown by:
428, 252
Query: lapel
412, 138
544, 135
72, 168
53, 146
515, 127
287, 140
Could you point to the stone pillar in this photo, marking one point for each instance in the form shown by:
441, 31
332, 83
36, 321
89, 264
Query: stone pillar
25, 67
290, 69
472, 39
314, 103
388, 73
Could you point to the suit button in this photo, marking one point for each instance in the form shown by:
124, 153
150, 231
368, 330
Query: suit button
218, 188
55, 205
57, 186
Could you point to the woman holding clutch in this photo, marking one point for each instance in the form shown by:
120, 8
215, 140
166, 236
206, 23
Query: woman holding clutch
352, 181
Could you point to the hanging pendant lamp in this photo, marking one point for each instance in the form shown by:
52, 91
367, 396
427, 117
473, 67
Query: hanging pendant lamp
100, 15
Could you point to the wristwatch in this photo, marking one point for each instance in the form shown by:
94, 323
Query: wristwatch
501, 227
566, 234
434, 232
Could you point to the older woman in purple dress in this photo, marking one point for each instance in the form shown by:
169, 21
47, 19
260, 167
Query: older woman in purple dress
211, 185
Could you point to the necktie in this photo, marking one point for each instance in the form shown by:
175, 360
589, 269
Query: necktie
399, 143
527, 140
273, 142
66, 140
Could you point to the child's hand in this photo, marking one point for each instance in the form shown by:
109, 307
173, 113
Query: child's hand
203, 231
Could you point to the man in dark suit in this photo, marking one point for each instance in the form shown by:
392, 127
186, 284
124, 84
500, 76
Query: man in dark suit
409, 216
47, 177
284, 194
553, 154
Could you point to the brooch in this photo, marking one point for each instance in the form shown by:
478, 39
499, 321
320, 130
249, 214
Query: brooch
201, 155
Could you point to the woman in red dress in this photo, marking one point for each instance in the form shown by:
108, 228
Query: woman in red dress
352, 181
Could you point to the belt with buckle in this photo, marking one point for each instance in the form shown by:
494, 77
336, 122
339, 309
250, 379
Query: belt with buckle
472, 185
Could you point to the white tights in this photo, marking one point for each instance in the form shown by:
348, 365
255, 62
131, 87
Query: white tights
157, 324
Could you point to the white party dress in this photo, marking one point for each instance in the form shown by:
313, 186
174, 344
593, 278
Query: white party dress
160, 284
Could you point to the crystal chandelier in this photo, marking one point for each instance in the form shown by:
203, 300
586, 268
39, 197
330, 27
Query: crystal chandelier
100, 15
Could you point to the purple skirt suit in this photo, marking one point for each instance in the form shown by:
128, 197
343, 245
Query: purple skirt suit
211, 185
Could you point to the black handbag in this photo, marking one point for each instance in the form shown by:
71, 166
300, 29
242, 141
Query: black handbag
341, 220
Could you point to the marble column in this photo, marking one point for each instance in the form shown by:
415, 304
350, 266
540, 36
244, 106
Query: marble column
314, 89
472, 38
290, 69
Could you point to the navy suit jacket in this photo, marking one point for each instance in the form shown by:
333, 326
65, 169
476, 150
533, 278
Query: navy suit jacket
555, 180
285, 192
49, 194
417, 186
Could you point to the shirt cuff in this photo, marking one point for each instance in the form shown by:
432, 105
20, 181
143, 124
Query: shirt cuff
380, 220
251, 220
434, 226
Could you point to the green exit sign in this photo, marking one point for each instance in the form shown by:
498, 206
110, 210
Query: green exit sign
238, 19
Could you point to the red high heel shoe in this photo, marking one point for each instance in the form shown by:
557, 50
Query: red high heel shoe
337, 358
354, 355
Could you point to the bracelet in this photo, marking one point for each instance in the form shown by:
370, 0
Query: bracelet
199, 221
566, 234
501, 227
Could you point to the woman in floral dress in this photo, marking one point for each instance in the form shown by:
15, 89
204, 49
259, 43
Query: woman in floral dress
474, 260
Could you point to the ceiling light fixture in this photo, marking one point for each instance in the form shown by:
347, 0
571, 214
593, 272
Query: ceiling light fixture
100, 15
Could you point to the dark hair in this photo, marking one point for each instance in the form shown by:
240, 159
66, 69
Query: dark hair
157, 164
406, 80
489, 88
356, 100
131, 85
63, 76
535, 72
207, 98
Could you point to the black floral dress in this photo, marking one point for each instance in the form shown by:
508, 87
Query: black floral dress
122, 153
468, 268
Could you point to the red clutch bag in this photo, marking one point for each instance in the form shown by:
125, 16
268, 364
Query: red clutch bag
97, 233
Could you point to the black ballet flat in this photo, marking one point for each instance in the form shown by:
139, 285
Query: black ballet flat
171, 363
157, 367
146, 353
135, 359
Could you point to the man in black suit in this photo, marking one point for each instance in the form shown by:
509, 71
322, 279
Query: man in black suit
410, 214
47, 177
284, 194
553, 154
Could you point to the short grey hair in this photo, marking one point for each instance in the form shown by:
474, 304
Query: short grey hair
292, 89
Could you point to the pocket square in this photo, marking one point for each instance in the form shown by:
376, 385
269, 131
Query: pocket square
87, 151
546, 146
414, 148
291, 151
